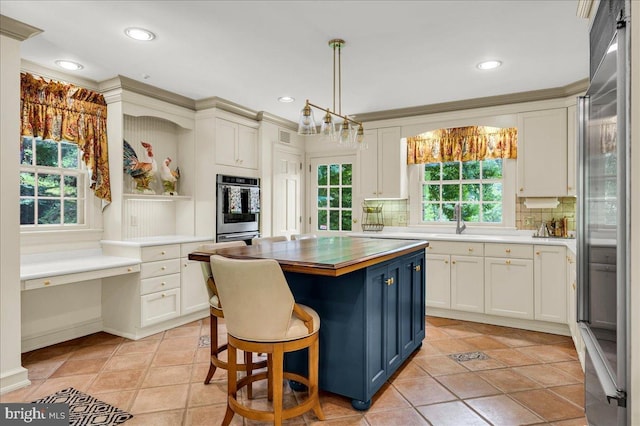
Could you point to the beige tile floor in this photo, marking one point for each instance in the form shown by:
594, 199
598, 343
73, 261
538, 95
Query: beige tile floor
528, 378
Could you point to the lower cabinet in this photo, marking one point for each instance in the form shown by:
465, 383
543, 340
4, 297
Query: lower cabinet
508, 280
572, 308
550, 298
168, 291
455, 276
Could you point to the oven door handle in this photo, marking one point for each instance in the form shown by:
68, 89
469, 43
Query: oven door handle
237, 236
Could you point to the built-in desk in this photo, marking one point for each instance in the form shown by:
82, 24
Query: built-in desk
370, 296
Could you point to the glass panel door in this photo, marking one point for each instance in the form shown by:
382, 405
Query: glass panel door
332, 194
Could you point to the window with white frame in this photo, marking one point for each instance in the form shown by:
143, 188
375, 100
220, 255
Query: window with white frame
477, 185
52, 184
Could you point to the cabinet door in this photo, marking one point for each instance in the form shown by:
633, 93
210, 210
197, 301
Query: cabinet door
542, 145
376, 327
247, 147
193, 291
393, 356
412, 310
508, 287
226, 141
549, 283
438, 281
160, 306
467, 283
392, 164
368, 166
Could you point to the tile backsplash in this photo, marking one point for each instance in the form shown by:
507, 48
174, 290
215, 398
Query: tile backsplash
532, 218
396, 213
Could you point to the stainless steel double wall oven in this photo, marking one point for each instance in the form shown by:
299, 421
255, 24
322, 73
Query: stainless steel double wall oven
238, 208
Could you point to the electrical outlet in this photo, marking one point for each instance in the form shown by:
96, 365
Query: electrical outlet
402, 218
528, 221
133, 220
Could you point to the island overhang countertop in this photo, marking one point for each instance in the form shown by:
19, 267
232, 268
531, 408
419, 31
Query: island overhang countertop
329, 256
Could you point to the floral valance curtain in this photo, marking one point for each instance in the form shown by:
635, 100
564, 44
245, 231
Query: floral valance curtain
462, 144
56, 111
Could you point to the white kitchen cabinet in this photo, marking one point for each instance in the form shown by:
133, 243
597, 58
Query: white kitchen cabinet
236, 144
549, 283
572, 308
169, 291
382, 168
508, 280
455, 279
194, 296
572, 145
542, 153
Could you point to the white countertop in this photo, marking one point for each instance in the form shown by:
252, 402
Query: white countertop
157, 241
517, 237
34, 266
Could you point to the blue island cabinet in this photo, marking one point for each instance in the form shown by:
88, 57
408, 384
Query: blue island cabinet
372, 319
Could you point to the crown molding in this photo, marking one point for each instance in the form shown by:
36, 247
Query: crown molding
126, 83
17, 30
226, 105
279, 121
489, 101
584, 8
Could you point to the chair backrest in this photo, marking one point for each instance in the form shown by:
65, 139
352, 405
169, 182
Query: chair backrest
262, 240
206, 266
257, 301
303, 236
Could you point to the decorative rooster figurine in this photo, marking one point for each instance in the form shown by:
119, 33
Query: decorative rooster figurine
142, 171
169, 177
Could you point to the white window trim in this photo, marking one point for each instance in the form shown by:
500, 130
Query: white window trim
508, 200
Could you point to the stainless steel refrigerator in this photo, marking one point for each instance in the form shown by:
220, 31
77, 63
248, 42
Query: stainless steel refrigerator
603, 237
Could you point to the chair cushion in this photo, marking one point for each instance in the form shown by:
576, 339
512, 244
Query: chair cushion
214, 302
298, 329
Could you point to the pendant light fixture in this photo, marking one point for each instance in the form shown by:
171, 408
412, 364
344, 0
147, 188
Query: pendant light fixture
348, 132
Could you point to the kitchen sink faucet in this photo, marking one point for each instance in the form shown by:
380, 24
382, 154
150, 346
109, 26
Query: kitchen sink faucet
457, 214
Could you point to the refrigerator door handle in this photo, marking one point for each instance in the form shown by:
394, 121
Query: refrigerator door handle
605, 376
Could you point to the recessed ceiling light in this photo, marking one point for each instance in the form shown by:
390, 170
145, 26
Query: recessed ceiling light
286, 99
489, 65
69, 65
140, 34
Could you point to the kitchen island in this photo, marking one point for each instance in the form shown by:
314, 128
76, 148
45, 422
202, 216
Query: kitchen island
370, 296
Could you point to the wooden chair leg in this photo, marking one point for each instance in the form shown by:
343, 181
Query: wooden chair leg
232, 382
269, 377
278, 366
248, 362
314, 356
213, 341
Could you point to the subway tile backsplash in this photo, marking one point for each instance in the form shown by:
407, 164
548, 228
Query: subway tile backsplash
396, 213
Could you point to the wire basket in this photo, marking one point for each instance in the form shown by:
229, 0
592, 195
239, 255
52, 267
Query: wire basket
372, 217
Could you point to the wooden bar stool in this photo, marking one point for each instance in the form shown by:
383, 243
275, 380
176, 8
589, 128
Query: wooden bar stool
262, 316
215, 312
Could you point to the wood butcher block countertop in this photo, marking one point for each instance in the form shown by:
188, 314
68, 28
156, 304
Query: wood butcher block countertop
330, 256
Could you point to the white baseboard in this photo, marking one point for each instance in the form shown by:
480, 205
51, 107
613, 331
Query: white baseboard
140, 333
14, 379
61, 334
533, 325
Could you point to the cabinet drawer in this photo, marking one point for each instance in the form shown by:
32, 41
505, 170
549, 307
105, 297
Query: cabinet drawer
164, 282
516, 251
153, 253
159, 306
455, 247
187, 248
162, 267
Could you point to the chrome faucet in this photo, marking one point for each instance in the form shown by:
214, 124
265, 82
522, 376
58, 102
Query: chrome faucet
457, 214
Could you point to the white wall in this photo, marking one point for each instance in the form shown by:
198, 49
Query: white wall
12, 375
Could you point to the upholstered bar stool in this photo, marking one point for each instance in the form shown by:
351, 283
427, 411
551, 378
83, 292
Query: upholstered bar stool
262, 316
215, 312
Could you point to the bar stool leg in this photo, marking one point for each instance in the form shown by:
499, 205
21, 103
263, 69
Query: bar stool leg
314, 355
278, 377
213, 343
269, 377
232, 380
248, 362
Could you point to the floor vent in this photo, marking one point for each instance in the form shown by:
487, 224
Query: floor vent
469, 356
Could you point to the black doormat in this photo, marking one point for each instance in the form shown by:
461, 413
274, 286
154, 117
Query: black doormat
85, 409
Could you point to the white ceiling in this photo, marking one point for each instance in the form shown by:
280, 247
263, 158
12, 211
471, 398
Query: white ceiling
397, 54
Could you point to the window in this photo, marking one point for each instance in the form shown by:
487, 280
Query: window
334, 183
476, 185
52, 184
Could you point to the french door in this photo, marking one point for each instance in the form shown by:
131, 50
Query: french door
331, 193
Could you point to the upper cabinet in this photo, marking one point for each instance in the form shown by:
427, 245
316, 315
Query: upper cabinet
382, 168
236, 144
542, 153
